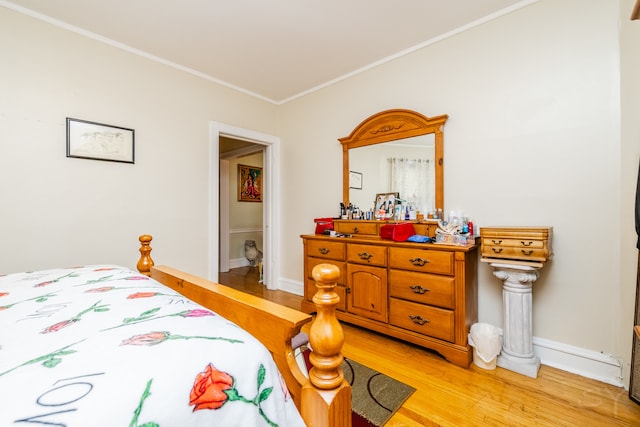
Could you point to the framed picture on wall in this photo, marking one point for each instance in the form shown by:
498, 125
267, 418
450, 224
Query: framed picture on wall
355, 180
249, 183
97, 141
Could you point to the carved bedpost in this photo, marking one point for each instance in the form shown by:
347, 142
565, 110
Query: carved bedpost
145, 263
327, 395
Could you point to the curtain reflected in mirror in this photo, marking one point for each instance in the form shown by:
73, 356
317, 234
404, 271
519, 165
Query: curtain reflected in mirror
413, 179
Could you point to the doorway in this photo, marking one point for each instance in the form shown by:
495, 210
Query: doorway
270, 227
239, 221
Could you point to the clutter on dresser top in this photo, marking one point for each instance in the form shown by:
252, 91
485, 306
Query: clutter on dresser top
457, 229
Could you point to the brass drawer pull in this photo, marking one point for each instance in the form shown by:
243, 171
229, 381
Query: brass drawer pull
417, 289
323, 251
496, 250
365, 255
418, 261
496, 242
418, 320
529, 252
355, 230
529, 243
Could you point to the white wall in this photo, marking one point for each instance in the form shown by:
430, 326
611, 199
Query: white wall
533, 138
60, 211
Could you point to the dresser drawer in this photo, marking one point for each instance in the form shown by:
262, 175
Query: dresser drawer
326, 249
424, 260
367, 254
311, 289
508, 252
356, 227
312, 262
423, 319
514, 243
422, 288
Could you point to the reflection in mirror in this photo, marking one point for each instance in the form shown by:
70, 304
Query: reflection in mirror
405, 166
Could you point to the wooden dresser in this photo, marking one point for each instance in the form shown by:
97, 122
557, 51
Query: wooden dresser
423, 293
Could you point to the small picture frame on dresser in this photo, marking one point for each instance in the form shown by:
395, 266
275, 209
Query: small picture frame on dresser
385, 202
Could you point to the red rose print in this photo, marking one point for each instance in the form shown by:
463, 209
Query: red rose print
2, 294
151, 338
196, 313
102, 289
43, 284
59, 325
142, 295
208, 389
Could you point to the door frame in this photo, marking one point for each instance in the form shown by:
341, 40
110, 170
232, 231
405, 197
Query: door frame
223, 221
271, 182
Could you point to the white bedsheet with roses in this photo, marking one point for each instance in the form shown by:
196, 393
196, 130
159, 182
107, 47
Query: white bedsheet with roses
106, 346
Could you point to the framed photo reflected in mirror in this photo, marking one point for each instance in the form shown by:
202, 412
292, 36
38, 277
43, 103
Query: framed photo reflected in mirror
384, 205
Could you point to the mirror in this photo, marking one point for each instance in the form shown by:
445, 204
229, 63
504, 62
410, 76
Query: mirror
394, 134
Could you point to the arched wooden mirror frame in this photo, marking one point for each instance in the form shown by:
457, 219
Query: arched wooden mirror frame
392, 125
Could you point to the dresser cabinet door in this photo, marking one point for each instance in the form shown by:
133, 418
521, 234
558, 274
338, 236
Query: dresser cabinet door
367, 291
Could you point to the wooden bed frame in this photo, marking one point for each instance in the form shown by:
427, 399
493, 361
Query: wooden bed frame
323, 399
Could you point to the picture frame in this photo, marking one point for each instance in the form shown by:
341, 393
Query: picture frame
99, 141
386, 202
249, 183
355, 180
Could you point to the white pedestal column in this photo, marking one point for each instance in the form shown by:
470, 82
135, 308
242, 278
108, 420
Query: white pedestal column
517, 347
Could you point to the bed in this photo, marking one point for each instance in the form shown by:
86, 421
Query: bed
106, 345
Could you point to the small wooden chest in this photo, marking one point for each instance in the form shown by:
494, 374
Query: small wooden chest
529, 244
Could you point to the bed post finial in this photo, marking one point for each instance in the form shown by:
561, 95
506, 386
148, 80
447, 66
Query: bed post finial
145, 263
332, 394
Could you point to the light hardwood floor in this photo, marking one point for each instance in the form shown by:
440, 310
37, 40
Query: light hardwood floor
447, 395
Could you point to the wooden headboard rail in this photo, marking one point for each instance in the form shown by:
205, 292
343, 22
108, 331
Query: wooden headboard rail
324, 399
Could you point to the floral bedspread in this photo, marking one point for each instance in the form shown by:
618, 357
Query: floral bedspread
106, 346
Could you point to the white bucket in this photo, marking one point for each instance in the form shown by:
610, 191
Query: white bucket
487, 343
479, 361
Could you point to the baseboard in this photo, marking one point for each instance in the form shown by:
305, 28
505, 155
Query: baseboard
580, 361
238, 262
291, 286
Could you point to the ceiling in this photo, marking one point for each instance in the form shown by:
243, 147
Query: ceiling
230, 148
276, 50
